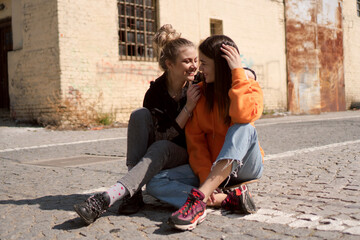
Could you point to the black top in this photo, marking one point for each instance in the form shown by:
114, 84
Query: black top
165, 110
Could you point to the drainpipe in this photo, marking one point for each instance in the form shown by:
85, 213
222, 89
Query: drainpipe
286, 61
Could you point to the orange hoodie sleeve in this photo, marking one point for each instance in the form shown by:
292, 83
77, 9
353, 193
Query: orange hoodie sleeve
246, 98
199, 155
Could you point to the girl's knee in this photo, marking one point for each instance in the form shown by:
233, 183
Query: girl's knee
160, 145
238, 131
242, 127
140, 113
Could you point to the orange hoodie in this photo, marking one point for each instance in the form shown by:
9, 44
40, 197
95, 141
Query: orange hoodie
205, 132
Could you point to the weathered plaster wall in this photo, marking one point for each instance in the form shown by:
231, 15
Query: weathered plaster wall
6, 12
315, 56
256, 26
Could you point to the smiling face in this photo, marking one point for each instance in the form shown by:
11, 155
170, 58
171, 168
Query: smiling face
207, 67
185, 65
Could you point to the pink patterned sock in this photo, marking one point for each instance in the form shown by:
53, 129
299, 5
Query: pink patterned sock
117, 192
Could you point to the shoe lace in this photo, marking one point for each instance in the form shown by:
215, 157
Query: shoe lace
231, 200
96, 203
190, 204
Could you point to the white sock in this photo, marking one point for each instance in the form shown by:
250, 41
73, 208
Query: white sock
117, 192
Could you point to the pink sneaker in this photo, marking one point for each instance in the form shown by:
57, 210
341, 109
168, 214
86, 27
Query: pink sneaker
239, 201
192, 213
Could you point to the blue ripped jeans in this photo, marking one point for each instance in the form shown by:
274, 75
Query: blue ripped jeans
241, 145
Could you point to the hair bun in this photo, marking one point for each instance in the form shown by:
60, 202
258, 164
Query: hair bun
163, 36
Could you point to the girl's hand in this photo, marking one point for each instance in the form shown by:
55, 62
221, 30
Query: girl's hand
212, 199
232, 56
215, 198
249, 74
193, 95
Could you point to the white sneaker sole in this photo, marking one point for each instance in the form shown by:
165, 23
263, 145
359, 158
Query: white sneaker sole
192, 225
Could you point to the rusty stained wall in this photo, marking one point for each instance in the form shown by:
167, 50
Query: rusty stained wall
314, 42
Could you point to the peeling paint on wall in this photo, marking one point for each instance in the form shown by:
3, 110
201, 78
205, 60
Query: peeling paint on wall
315, 56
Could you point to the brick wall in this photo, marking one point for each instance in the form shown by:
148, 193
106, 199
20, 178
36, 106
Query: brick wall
351, 29
62, 46
90, 62
34, 63
89, 59
66, 46
73, 45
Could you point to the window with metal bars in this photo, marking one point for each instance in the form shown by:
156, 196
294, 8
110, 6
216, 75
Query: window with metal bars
358, 7
137, 26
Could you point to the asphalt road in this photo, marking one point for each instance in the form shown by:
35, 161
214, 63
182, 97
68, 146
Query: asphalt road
309, 190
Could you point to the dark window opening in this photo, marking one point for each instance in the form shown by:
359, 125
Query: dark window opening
216, 27
137, 26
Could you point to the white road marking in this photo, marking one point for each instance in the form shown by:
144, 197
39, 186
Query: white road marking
297, 220
294, 220
307, 150
259, 124
123, 138
60, 144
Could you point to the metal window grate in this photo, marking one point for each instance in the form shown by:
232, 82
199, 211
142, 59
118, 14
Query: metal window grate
137, 26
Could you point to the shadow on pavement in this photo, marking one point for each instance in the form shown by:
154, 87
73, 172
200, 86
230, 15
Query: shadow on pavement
52, 202
152, 212
71, 224
55, 202
156, 212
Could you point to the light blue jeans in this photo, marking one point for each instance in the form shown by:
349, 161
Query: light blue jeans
241, 146
173, 185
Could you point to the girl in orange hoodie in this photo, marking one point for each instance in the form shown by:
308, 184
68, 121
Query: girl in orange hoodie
221, 138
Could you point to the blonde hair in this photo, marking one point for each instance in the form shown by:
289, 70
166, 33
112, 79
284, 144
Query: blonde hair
167, 43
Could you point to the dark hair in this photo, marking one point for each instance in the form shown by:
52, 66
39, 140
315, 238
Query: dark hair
218, 90
167, 43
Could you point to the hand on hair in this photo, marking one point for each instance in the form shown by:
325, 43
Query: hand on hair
232, 56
